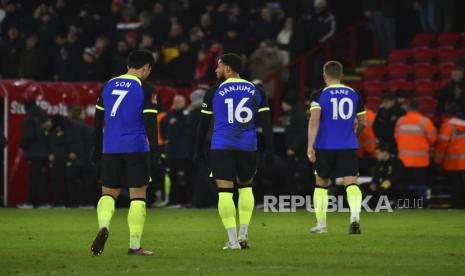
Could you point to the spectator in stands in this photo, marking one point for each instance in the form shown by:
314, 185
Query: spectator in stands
283, 40
204, 69
119, 59
174, 132
34, 145
386, 119
10, 50
454, 92
429, 12
103, 55
90, 69
263, 28
415, 135
386, 175
182, 67
233, 42
381, 16
197, 39
207, 26
449, 152
30, 62
74, 52
62, 70
265, 60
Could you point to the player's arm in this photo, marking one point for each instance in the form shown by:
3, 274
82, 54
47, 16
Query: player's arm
313, 125
264, 120
150, 112
206, 114
98, 129
361, 115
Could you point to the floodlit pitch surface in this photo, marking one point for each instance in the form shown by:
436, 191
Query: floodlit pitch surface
189, 241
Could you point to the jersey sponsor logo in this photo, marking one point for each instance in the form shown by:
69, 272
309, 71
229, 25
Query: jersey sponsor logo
154, 99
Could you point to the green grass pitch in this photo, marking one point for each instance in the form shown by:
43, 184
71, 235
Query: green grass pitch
189, 241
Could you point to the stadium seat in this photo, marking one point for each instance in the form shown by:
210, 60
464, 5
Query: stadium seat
425, 87
167, 94
399, 71
425, 71
396, 85
374, 88
451, 55
373, 103
424, 55
445, 69
400, 55
375, 73
449, 39
357, 85
427, 105
423, 40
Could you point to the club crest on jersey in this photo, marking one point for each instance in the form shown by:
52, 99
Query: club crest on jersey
154, 99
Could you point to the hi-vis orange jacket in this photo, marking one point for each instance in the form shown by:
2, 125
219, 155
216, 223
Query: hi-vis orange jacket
367, 139
450, 146
415, 134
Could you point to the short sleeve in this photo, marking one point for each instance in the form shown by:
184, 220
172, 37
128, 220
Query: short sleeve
150, 98
360, 105
207, 105
264, 105
99, 105
315, 100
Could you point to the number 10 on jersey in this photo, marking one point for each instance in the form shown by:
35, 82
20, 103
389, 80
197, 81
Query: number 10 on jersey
338, 108
238, 112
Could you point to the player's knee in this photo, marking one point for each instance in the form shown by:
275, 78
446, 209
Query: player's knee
110, 191
226, 184
139, 192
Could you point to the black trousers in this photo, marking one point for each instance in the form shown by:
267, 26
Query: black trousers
38, 190
456, 179
59, 183
181, 188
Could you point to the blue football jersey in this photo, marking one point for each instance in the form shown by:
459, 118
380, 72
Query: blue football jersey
234, 105
339, 106
124, 100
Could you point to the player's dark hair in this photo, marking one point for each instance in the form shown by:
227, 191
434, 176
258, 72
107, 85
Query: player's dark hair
384, 147
333, 69
414, 105
232, 60
139, 58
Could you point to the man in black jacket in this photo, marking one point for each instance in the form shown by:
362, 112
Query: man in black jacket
34, 144
386, 119
174, 131
454, 92
387, 173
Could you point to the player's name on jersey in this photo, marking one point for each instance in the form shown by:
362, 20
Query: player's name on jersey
339, 92
226, 89
125, 84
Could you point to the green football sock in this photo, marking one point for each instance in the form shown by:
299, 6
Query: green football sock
354, 198
105, 210
245, 204
136, 220
320, 202
227, 211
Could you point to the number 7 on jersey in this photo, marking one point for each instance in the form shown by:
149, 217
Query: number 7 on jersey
121, 94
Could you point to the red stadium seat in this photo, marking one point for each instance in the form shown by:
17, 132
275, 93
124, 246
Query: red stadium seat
424, 40
373, 103
374, 88
427, 105
375, 73
449, 39
451, 55
400, 55
399, 71
445, 69
424, 55
425, 87
357, 85
425, 71
396, 85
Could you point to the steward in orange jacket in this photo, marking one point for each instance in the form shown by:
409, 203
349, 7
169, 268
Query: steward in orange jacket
367, 140
415, 134
449, 152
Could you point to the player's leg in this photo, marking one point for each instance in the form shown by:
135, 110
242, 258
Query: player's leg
348, 166
137, 176
224, 172
110, 171
323, 165
246, 168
